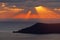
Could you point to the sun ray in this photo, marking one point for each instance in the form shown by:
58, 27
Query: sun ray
38, 10
28, 15
44, 12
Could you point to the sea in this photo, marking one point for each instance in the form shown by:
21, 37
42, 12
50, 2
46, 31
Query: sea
6, 29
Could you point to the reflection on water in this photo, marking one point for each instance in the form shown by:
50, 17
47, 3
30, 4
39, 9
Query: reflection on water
7, 27
10, 26
18, 36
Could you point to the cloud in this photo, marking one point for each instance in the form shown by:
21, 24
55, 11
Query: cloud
32, 3
53, 4
57, 10
29, 0
12, 0
49, 0
25, 4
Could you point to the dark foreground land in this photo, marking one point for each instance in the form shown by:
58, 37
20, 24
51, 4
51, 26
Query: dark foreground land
41, 28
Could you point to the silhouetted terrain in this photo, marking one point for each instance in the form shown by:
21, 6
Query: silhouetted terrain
41, 28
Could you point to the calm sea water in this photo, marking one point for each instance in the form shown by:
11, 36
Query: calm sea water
10, 26
6, 29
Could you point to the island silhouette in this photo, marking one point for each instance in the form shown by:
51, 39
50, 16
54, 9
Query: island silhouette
41, 28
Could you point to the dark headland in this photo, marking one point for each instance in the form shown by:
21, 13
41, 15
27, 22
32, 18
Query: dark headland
41, 28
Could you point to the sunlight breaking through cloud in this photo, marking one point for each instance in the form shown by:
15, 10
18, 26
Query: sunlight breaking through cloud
41, 12
46, 12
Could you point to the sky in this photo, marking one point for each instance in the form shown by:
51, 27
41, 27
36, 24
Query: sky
45, 10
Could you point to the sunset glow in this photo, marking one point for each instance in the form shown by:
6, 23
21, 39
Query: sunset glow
57, 9
3, 5
42, 12
28, 15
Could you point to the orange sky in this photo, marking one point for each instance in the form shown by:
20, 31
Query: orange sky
42, 12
